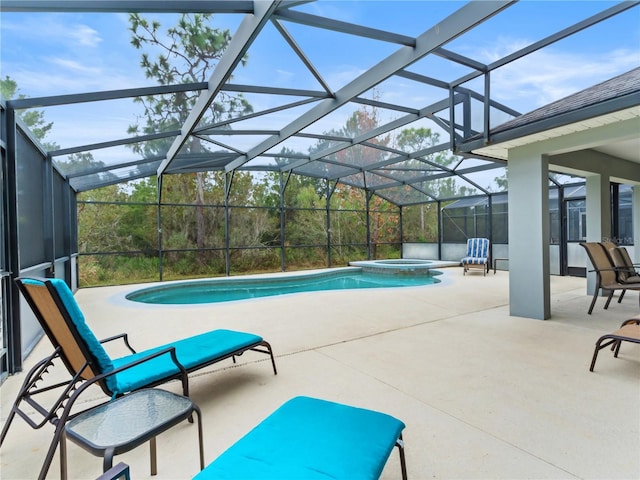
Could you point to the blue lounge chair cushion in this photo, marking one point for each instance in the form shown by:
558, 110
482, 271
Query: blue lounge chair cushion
192, 352
308, 438
97, 351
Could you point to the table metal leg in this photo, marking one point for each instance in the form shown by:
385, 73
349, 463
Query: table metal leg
63, 456
154, 456
200, 442
107, 461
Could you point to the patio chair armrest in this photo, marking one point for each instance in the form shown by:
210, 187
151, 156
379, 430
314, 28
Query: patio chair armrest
125, 339
610, 269
66, 414
170, 350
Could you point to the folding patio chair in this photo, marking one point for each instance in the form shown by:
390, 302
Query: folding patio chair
626, 269
607, 273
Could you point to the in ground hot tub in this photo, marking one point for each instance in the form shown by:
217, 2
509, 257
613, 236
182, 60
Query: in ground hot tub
402, 266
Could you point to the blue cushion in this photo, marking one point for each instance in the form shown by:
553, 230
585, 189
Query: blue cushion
474, 261
477, 247
308, 439
96, 350
477, 251
192, 352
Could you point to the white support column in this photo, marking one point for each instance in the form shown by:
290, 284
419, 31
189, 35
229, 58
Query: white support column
598, 217
528, 175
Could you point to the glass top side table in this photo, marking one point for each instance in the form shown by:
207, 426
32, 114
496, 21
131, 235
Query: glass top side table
127, 422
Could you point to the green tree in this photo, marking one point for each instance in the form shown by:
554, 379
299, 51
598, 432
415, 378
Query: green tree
186, 52
350, 225
416, 139
502, 182
34, 119
96, 224
81, 162
421, 221
139, 218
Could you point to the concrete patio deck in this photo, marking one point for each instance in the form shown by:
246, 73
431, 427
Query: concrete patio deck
484, 395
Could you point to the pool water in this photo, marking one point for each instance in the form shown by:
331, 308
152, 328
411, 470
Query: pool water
225, 290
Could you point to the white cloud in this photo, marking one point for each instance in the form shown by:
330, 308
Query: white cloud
341, 75
550, 74
84, 35
51, 30
73, 67
285, 75
68, 77
83, 124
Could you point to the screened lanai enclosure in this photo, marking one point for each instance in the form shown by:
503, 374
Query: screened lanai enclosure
224, 137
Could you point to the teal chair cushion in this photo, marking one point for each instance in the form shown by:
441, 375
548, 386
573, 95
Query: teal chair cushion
96, 350
192, 353
308, 438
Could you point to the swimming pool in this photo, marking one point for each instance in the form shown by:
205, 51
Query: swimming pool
230, 289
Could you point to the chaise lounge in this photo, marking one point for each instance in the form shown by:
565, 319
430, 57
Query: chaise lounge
88, 363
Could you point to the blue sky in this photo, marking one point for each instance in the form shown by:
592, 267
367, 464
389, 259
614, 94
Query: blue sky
52, 54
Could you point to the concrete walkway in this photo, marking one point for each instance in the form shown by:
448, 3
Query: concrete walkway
484, 395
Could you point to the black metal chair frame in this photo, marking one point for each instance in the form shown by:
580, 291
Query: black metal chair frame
615, 340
